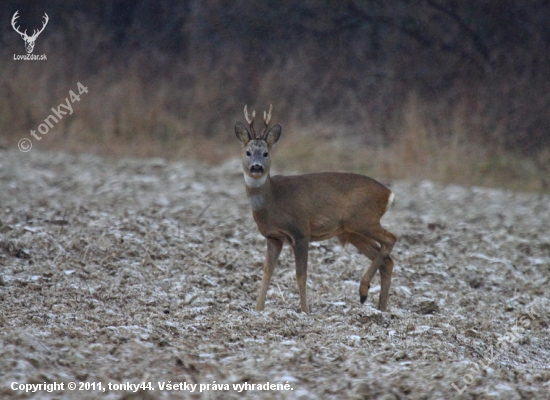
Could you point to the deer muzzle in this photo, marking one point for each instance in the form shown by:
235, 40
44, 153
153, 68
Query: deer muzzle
257, 169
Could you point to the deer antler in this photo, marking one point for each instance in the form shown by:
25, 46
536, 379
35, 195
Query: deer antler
267, 118
46, 18
15, 16
250, 120
35, 32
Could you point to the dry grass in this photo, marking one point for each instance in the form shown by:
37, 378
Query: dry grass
419, 151
189, 113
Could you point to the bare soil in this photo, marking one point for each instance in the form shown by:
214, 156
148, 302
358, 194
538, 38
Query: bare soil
118, 271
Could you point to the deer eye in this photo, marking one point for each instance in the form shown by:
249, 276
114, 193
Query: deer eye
248, 154
266, 154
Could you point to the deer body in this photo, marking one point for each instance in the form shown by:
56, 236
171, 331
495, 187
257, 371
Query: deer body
316, 206
306, 208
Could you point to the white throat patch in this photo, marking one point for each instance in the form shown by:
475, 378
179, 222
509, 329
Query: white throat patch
254, 182
257, 202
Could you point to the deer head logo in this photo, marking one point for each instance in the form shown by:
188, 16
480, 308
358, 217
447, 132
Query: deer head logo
29, 40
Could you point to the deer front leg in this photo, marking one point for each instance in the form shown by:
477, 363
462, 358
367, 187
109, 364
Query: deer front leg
274, 247
300, 255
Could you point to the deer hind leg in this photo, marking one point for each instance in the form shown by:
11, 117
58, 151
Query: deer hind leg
386, 271
300, 255
379, 254
370, 249
274, 247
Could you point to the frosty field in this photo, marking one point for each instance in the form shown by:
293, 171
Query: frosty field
143, 270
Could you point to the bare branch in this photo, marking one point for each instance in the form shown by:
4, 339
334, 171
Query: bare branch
478, 43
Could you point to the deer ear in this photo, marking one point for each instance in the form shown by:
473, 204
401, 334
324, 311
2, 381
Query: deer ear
242, 133
273, 135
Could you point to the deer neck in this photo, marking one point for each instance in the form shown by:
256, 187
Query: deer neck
258, 191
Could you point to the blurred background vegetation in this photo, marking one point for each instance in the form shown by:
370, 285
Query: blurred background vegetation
455, 91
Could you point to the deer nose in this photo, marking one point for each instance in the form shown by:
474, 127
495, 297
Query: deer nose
257, 169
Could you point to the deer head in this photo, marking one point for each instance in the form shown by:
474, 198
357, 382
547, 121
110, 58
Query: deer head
256, 160
29, 40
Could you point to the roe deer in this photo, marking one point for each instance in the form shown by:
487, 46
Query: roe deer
312, 207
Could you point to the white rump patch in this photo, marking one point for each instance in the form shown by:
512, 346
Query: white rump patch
254, 182
390, 200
